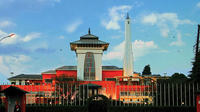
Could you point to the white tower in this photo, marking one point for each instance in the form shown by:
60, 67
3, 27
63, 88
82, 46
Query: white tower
128, 53
89, 50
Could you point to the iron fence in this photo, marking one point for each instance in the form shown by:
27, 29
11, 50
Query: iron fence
152, 94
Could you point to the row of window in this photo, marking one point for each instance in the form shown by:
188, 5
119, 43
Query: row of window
26, 83
146, 100
135, 93
89, 45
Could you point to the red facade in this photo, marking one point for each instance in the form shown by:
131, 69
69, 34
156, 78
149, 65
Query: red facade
111, 74
110, 86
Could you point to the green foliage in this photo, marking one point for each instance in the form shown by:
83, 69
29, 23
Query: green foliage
195, 73
147, 70
0, 97
55, 108
178, 77
151, 109
2, 108
98, 103
65, 108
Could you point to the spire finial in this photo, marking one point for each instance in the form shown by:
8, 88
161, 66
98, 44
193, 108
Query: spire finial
127, 17
89, 31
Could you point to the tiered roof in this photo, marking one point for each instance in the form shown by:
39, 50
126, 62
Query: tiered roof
90, 40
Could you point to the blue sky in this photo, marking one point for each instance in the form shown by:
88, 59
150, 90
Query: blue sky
163, 33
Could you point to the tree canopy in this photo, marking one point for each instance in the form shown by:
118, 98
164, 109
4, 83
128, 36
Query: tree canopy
178, 77
195, 73
147, 70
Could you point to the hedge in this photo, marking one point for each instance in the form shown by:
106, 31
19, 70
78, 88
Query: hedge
55, 108
58, 108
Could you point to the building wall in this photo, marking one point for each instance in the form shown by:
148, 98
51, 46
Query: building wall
26, 82
48, 76
67, 73
98, 66
80, 66
81, 59
111, 74
73, 73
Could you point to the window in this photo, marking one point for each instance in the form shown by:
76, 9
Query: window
13, 83
89, 67
68, 79
147, 81
27, 82
124, 93
110, 79
20, 82
37, 83
48, 80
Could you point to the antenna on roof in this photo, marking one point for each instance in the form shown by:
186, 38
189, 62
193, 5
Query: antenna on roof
89, 31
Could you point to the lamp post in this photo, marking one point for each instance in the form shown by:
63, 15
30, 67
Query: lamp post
10, 35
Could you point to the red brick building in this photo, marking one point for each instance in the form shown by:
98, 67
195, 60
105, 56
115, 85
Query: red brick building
89, 74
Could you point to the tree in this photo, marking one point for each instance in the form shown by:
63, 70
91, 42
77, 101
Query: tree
177, 78
147, 70
195, 73
0, 96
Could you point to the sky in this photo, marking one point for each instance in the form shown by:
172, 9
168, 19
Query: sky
163, 33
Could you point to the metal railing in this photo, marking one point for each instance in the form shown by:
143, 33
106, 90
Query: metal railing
154, 94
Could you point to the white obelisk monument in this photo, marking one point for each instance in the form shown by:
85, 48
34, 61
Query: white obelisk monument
128, 53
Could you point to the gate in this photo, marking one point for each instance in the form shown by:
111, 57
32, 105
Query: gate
143, 97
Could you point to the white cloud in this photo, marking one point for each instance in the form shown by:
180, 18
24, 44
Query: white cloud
4, 68
56, 1
164, 30
164, 20
164, 51
15, 63
116, 14
6, 23
198, 5
17, 38
72, 27
61, 37
178, 42
31, 36
140, 48
41, 45
152, 19
28, 4
116, 36
116, 53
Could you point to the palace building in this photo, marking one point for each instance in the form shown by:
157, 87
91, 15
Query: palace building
114, 82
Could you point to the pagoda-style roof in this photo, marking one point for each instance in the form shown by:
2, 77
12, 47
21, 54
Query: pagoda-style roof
75, 68
67, 68
89, 40
13, 91
26, 77
89, 36
49, 72
111, 68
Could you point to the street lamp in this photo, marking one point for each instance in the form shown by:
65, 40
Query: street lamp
10, 35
